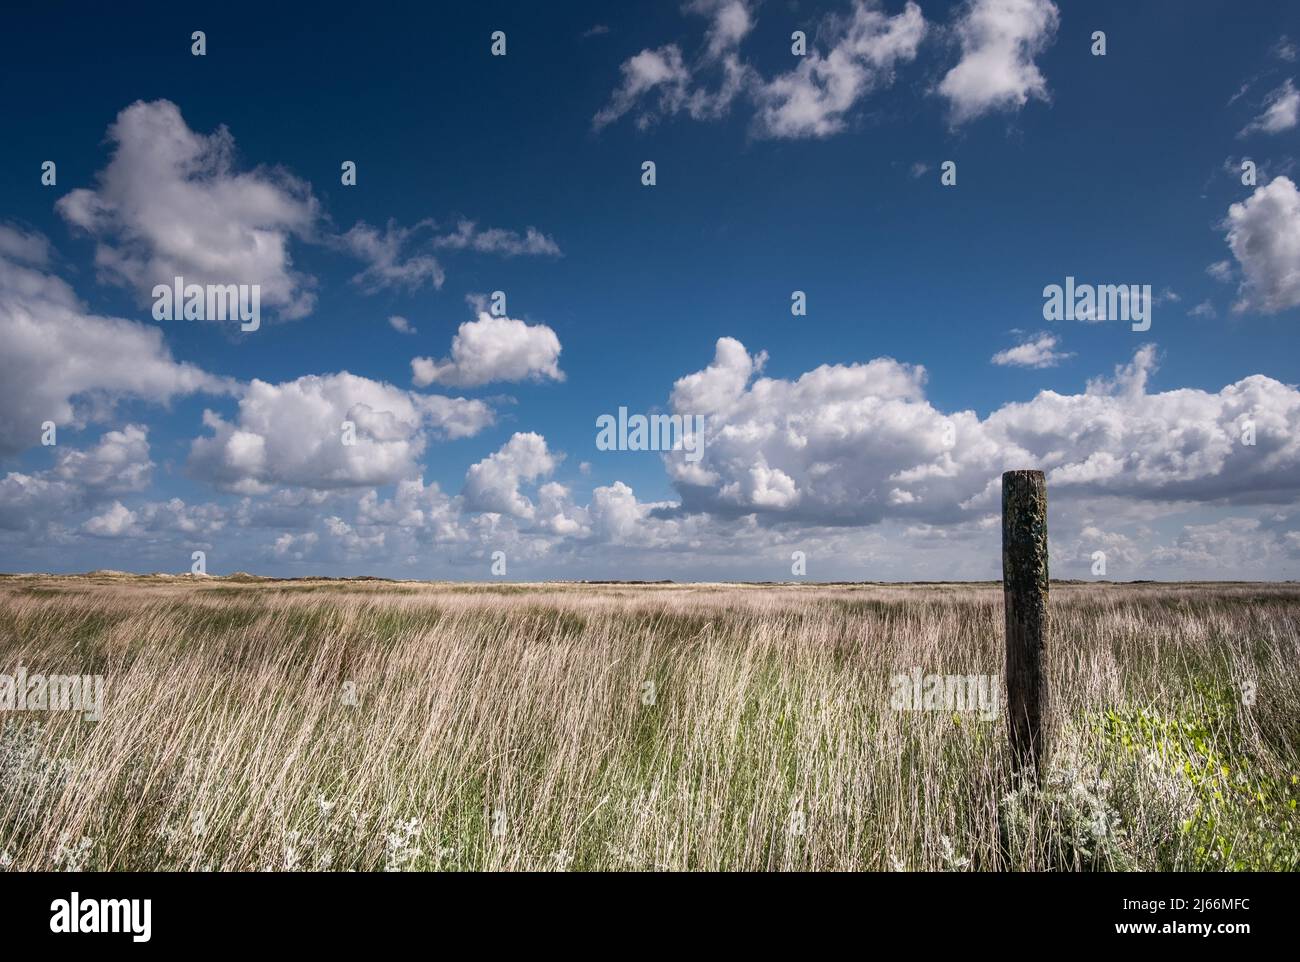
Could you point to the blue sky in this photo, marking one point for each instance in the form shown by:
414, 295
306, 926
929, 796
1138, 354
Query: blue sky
775, 173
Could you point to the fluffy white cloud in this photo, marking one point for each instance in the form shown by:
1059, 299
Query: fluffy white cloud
1226, 548
493, 483
116, 521
1037, 352
63, 364
29, 501
174, 516
170, 203
618, 518
854, 444
293, 434
1181, 445
297, 508
354, 542
824, 448
294, 547
80, 479
1263, 234
414, 505
557, 514
807, 463
1281, 112
999, 41
812, 99
118, 463
493, 349
401, 324
721, 383
154, 519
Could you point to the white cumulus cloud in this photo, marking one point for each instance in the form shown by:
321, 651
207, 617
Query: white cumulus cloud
493, 483
62, 363
999, 41
293, 434
1263, 233
171, 203
118, 463
493, 349
856, 443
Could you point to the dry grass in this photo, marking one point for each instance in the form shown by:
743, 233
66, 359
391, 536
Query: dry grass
505, 727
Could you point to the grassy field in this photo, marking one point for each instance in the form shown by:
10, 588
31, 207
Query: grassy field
367, 725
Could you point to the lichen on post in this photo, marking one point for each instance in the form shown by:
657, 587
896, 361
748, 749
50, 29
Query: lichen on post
1025, 587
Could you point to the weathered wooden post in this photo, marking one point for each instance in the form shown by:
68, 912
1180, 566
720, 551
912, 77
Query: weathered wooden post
1024, 589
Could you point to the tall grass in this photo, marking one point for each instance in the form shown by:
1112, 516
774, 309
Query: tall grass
715, 727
